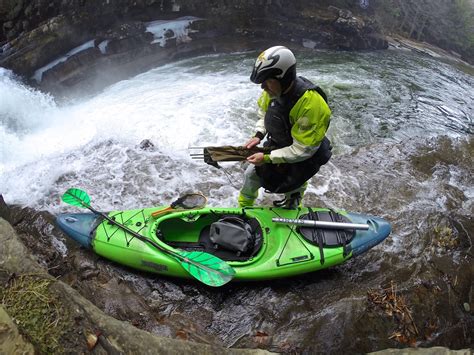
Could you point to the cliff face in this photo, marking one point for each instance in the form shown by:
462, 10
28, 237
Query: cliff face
65, 44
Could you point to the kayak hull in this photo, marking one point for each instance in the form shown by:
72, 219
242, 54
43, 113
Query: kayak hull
278, 250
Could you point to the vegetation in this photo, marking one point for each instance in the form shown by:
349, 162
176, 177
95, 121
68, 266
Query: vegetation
448, 24
38, 313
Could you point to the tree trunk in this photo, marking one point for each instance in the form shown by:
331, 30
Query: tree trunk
422, 27
413, 25
405, 14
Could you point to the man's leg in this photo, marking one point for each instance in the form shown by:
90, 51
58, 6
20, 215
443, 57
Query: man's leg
249, 191
294, 198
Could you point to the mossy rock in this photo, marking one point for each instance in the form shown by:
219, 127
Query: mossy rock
37, 310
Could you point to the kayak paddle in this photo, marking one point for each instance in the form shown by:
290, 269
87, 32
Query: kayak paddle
185, 202
205, 267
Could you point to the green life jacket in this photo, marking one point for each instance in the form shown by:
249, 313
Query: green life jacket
281, 178
277, 117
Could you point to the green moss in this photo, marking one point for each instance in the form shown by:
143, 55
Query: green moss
444, 237
38, 312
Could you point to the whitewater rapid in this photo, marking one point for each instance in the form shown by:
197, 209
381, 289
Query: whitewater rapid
93, 142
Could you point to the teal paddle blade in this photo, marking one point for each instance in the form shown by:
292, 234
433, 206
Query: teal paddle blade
206, 267
76, 197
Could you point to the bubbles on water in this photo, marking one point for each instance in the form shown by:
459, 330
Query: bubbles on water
59, 246
391, 96
22, 109
209, 100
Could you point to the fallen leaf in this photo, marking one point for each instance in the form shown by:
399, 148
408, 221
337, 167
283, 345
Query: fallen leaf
182, 334
261, 338
92, 340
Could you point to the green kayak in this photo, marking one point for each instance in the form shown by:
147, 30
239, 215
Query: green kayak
251, 241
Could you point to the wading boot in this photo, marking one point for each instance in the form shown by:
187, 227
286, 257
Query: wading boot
245, 201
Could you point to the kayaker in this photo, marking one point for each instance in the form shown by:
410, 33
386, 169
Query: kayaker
294, 117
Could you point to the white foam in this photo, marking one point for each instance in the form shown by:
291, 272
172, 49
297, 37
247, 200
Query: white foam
93, 144
179, 27
103, 46
172, 106
308, 43
59, 246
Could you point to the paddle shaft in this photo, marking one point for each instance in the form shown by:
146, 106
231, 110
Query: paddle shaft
321, 224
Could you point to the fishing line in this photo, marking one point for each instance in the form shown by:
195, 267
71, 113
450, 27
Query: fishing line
229, 177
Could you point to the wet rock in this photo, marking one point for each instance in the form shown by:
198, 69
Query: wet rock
7, 26
38, 47
355, 33
11, 342
85, 266
437, 350
40, 34
146, 144
72, 71
36, 230
13, 9
126, 37
471, 297
79, 318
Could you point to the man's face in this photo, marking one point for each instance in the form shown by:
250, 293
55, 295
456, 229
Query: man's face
272, 87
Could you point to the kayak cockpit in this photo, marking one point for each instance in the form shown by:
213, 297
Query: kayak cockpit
231, 237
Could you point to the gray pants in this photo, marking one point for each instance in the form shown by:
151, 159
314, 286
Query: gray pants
249, 191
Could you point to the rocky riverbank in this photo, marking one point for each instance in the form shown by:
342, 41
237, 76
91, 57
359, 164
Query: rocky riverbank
402, 43
48, 316
82, 46
43, 314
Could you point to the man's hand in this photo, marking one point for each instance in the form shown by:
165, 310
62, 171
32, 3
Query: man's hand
252, 142
256, 159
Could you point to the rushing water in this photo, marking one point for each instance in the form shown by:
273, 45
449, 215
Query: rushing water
376, 98
401, 128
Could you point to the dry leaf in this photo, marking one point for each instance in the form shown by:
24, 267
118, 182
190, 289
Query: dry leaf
261, 338
92, 340
182, 334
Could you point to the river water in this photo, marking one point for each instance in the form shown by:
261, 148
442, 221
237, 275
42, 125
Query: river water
401, 128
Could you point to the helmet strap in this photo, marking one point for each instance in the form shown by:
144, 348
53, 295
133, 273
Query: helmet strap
287, 79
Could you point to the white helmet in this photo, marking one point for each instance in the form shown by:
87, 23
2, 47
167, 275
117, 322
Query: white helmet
277, 63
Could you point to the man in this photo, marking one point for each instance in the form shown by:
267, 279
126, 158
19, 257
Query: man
294, 115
